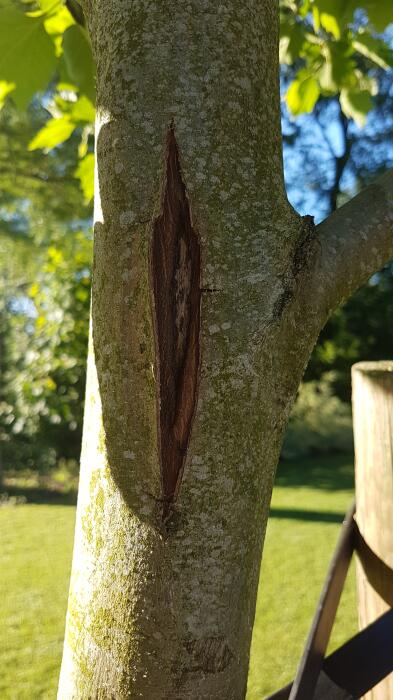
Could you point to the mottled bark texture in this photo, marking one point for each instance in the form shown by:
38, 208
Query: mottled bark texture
184, 419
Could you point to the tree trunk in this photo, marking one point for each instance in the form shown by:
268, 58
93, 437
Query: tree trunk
206, 303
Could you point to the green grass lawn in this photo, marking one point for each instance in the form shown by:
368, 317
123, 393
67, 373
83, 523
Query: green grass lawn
308, 504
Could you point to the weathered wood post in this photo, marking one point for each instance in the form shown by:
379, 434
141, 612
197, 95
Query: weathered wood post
372, 398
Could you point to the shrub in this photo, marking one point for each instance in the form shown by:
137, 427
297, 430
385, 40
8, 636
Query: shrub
320, 422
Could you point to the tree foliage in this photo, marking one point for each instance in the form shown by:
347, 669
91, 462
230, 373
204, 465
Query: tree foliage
360, 330
333, 46
335, 56
44, 51
335, 50
45, 262
45, 374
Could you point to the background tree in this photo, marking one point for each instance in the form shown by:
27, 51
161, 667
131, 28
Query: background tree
45, 280
350, 156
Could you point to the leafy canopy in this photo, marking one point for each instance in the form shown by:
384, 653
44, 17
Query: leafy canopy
45, 263
329, 51
333, 46
44, 50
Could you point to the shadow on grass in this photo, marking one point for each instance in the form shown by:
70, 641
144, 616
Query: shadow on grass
328, 472
39, 495
333, 472
306, 515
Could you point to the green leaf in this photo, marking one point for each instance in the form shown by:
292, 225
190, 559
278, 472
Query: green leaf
83, 110
333, 15
302, 94
374, 49
325, 15
338, 67
364, 81
5, 89
53, 133
289, 5
291, 41
356, 104
27, 54
330, 24
304, 8
59, 21
327, 22
84, 142
33, 290
79, 61
85, 173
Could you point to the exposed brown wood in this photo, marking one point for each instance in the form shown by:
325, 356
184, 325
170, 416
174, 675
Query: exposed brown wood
175, 266
373, 431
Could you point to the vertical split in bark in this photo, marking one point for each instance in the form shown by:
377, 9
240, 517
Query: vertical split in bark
175, 267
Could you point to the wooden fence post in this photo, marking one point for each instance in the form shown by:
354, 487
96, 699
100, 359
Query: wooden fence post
372, 400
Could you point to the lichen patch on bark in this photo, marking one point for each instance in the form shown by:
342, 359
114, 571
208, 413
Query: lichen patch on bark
175, 270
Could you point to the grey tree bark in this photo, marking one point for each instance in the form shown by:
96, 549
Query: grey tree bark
209, 292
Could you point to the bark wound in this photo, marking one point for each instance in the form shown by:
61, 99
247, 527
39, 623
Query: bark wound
176, 286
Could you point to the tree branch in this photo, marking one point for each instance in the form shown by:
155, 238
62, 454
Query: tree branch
356, 241
340, 162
